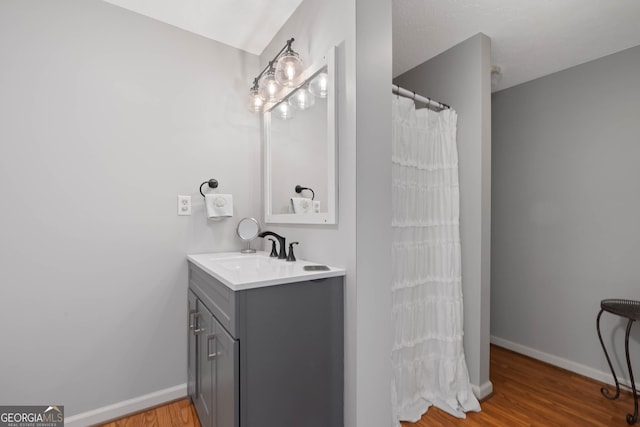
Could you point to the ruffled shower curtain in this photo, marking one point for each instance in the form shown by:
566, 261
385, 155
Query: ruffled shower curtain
429, 366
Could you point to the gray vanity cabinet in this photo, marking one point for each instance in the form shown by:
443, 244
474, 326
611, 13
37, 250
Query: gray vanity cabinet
191, 364
212, 368
205, 381
268, 356
223, 352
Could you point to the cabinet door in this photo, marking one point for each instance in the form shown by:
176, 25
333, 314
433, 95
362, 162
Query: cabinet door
191, 361
227, 379
205, 379
217, 380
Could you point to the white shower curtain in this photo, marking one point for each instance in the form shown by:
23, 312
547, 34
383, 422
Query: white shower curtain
429, 366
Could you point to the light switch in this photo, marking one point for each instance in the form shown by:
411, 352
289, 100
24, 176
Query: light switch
184, 205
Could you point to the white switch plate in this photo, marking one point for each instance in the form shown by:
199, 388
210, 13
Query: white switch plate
184, 205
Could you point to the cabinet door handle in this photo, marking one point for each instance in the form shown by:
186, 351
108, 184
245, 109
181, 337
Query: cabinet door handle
196, 324
210, 356
192, 324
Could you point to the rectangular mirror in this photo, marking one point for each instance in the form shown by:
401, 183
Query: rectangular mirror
300, 150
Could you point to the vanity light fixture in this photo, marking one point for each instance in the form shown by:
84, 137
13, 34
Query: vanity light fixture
268, 85
256, 102
288, 67
282, 71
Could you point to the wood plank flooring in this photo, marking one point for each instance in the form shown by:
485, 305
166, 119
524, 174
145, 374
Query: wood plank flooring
180, 413
527, 392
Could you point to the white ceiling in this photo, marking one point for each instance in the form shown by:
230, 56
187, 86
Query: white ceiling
529, 38
244, 24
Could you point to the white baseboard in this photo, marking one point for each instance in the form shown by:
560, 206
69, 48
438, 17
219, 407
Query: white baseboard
117, 410
483, 390
561, 362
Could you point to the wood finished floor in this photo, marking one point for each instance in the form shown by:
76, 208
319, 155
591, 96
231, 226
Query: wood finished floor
526, 392
180, 413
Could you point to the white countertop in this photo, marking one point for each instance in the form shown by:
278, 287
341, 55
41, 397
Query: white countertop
247, 271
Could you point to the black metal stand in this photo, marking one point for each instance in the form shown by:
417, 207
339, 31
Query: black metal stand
631, 311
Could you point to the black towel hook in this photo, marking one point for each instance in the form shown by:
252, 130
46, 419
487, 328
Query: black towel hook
213, 183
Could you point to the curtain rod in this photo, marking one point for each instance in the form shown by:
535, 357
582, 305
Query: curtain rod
423, 99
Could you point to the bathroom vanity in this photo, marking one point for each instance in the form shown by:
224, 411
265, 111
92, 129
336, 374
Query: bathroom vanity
265, 342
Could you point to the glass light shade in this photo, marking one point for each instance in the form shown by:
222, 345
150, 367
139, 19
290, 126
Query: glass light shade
254, 101
283, 111
319, 86
288, 68
269, 87
302, 99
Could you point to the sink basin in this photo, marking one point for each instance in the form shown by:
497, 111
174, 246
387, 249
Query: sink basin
246, 271
246, 262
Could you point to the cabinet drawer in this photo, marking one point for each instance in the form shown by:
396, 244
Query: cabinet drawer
218, 298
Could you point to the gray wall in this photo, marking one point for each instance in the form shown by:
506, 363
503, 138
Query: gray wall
361, 241
105, 117
565, 211
460, 77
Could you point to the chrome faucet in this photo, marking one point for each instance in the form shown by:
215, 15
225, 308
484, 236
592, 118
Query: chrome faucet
281, 241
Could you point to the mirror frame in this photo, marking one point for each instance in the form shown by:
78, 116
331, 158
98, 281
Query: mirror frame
250, 220
330, 216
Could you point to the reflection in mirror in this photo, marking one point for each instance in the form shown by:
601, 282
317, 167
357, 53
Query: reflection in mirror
299, 155
248, 229
318, 86
300, 151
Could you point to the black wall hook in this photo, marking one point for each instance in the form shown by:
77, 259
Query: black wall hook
213, 183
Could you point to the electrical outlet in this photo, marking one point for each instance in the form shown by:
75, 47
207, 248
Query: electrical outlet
184, 205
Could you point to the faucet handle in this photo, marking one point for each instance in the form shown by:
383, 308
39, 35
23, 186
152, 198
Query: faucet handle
291, 256
274, 253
